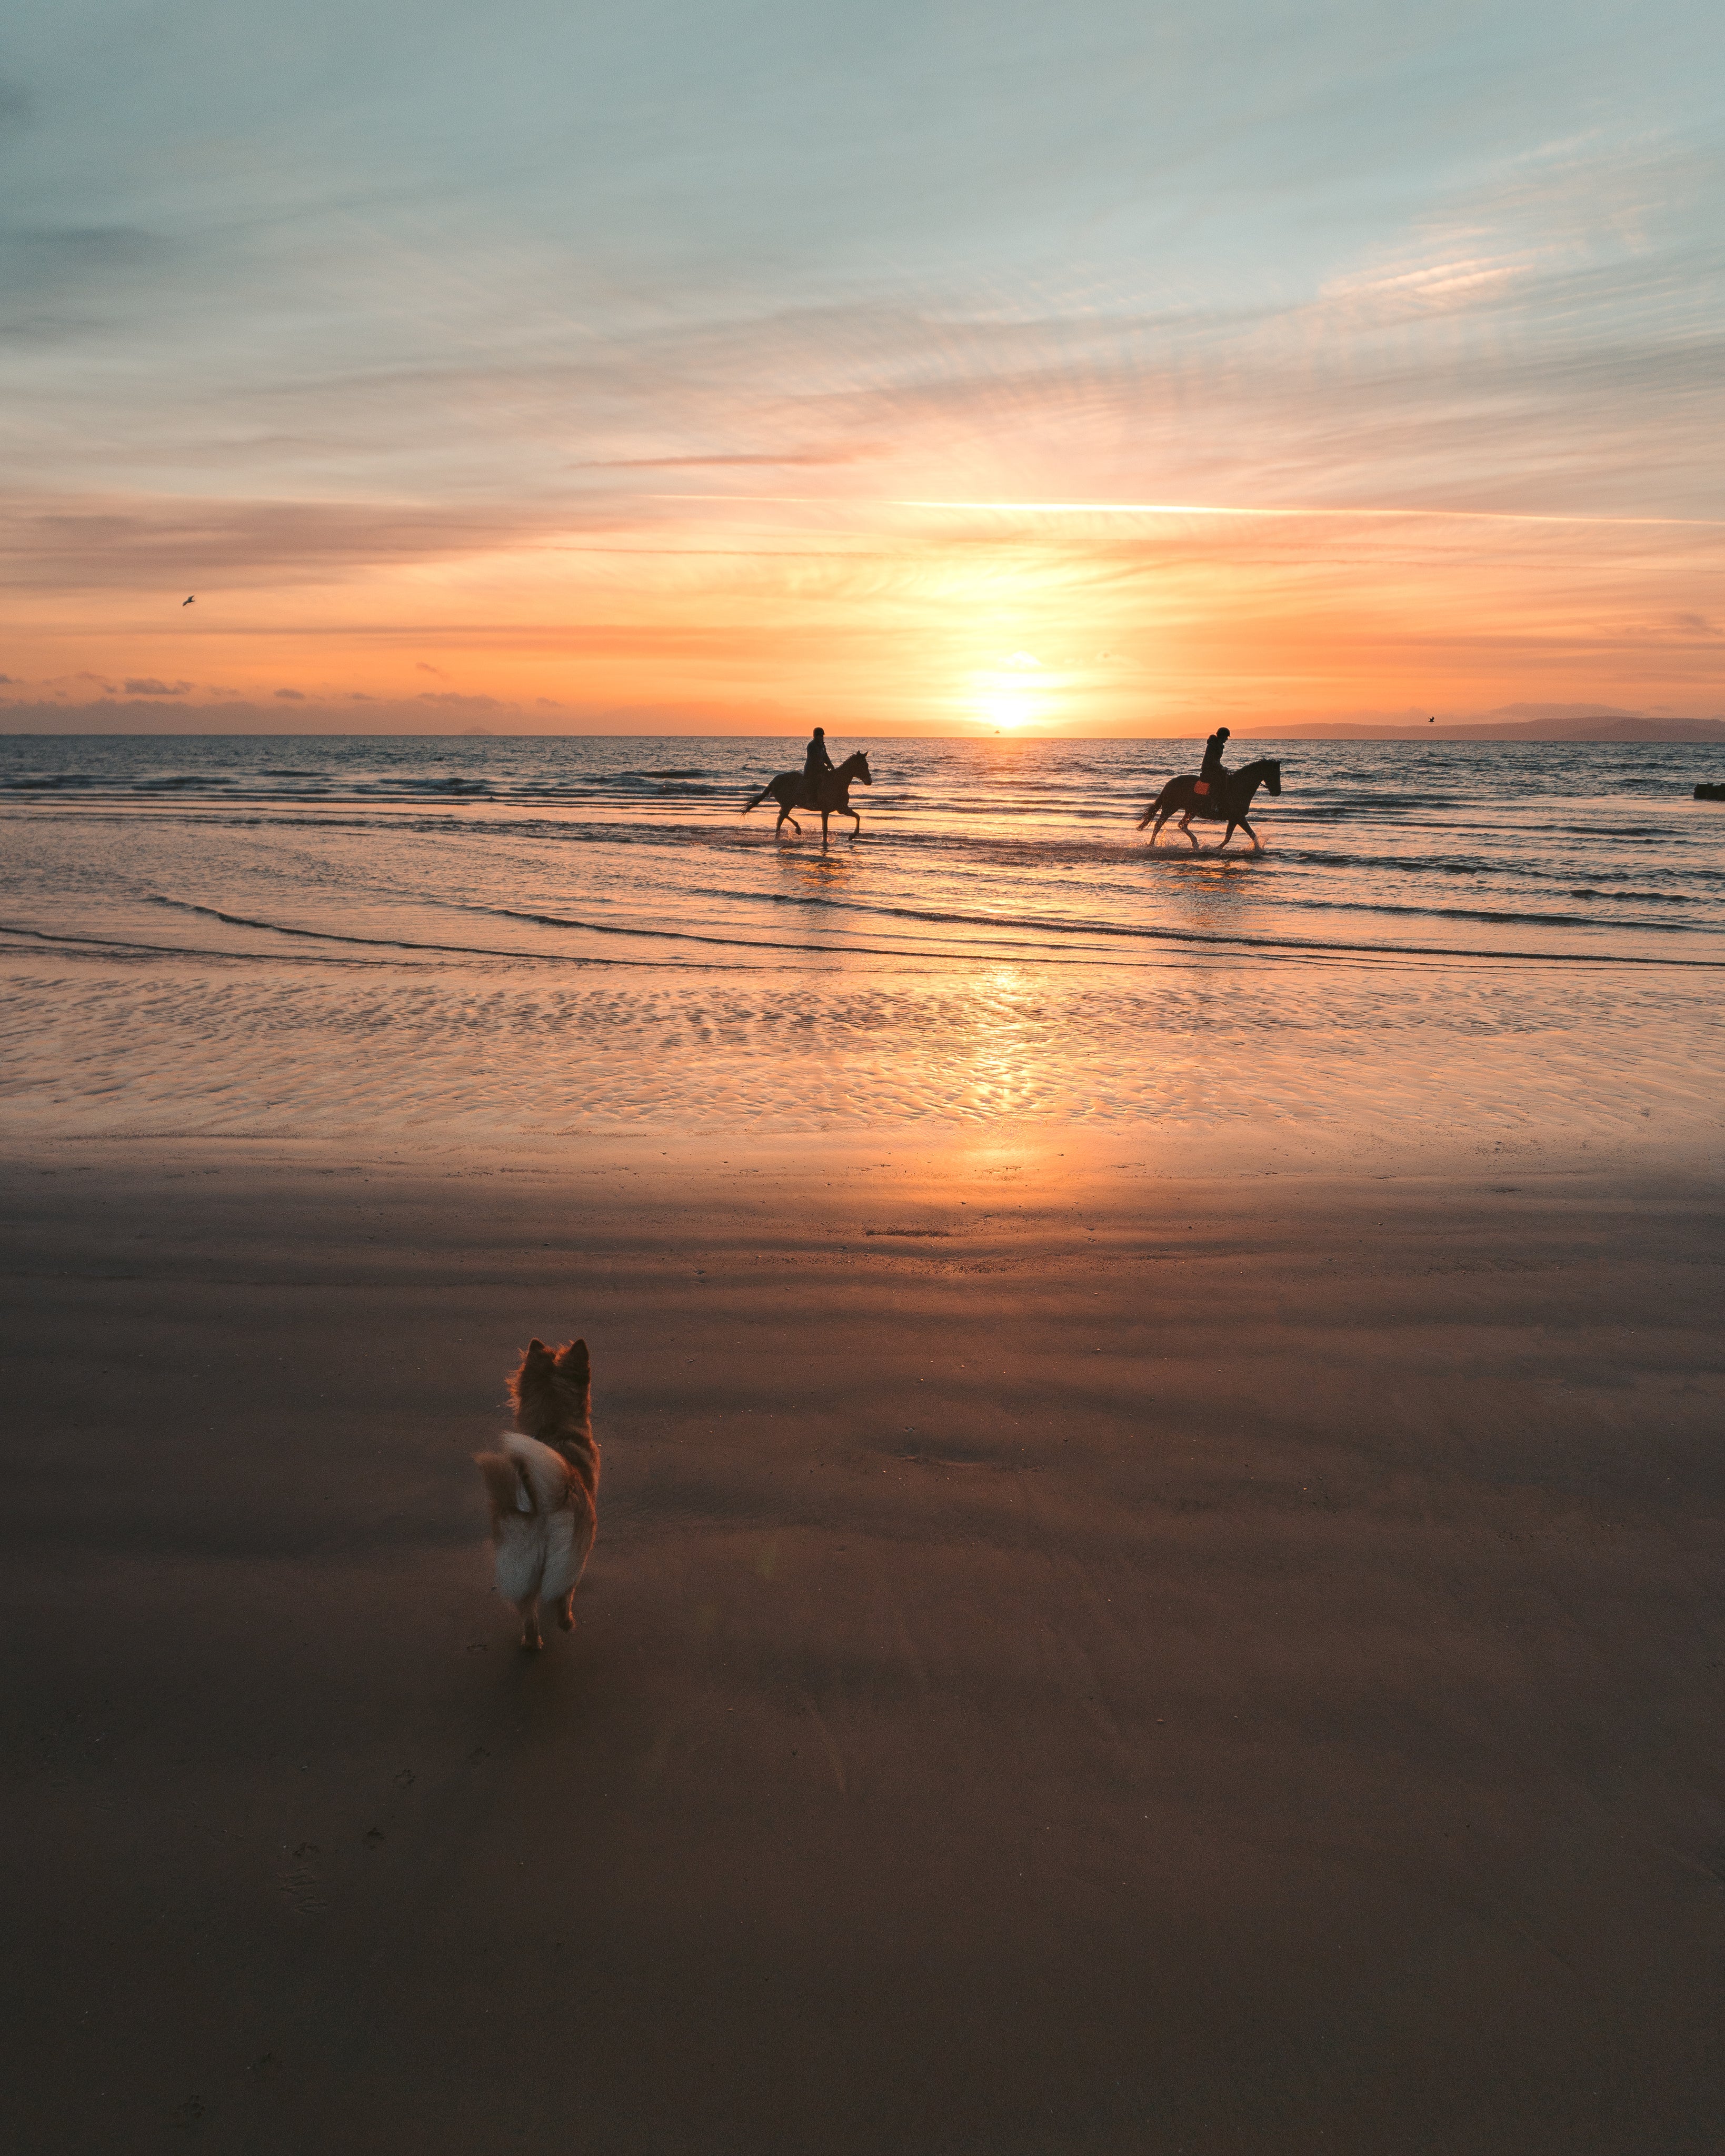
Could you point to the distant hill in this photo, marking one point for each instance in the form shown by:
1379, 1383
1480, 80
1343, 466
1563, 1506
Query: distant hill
1614, 729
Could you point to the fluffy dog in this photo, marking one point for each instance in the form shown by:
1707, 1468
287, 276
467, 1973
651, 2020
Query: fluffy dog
544, 1485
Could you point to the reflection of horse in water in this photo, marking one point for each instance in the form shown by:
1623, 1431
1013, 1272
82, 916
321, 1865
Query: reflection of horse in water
831, 792
1226, 802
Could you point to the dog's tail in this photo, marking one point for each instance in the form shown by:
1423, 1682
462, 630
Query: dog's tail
757, 800
526, 1477
506, 1486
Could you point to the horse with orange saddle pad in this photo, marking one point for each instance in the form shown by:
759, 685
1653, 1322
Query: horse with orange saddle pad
1216, 795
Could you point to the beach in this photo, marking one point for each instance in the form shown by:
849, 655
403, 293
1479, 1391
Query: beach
1078, 1655
1159, 1583
994, 740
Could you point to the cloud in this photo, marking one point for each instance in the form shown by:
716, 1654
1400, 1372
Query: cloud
1471, 264
132, 542
854, 454
465, 703
149, 687
65, 281
295, 695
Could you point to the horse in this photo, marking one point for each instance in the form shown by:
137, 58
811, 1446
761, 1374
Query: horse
829, 793
1227, 801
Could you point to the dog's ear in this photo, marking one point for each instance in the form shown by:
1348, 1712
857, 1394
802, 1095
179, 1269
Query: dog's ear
573, 1360
536, 1346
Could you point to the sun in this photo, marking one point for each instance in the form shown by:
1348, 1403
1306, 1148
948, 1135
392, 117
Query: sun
1005, 712
1005, 696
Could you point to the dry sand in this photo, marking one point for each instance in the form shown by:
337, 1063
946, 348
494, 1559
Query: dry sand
1135, 1665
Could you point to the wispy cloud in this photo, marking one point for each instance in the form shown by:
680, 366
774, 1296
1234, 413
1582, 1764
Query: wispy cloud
857, 454
478, 360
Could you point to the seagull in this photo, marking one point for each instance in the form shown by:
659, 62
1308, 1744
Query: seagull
189, 602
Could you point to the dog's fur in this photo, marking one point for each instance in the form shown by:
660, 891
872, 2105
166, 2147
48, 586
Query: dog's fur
544, 1485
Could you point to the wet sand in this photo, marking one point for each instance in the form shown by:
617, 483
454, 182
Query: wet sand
1105, 1662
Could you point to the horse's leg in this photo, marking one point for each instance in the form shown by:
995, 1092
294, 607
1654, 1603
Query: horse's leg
1226, 835
1257, 843
856, 821
1186, 829
824, 814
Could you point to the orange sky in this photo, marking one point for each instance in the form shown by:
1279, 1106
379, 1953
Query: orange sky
731, 614
693, 370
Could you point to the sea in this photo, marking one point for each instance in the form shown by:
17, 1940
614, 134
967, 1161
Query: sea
1458, 948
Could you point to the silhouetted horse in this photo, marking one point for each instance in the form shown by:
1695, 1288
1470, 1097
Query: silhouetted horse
1226, 802
830, 794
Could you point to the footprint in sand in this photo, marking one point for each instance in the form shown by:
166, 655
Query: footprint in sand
302, 1886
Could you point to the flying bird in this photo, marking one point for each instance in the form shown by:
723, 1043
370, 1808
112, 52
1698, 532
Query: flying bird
189, 601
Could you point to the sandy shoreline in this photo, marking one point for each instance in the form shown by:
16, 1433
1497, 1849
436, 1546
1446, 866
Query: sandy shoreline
998, 1720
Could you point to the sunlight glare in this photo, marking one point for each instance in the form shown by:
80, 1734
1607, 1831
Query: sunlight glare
1005, 697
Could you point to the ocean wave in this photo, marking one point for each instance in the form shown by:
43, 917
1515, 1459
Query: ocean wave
1043, 925
624, 852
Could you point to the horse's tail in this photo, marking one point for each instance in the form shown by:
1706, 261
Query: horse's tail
1150, 808
757, 800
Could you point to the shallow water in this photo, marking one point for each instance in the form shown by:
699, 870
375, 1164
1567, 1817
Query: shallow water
1458, 944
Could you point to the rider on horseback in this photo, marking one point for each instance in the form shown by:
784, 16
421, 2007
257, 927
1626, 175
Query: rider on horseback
816, 763
1212, 771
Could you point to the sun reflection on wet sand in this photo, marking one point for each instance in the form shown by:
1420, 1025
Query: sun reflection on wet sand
994, 947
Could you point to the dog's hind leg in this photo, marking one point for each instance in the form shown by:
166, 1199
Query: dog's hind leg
566, 1611
528, 1607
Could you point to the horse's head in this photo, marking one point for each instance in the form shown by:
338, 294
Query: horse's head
1269, 769
856, 767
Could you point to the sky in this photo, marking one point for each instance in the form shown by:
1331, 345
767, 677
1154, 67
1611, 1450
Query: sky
1116, 368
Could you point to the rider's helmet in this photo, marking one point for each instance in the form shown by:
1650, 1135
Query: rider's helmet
1221, 733
820, 733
